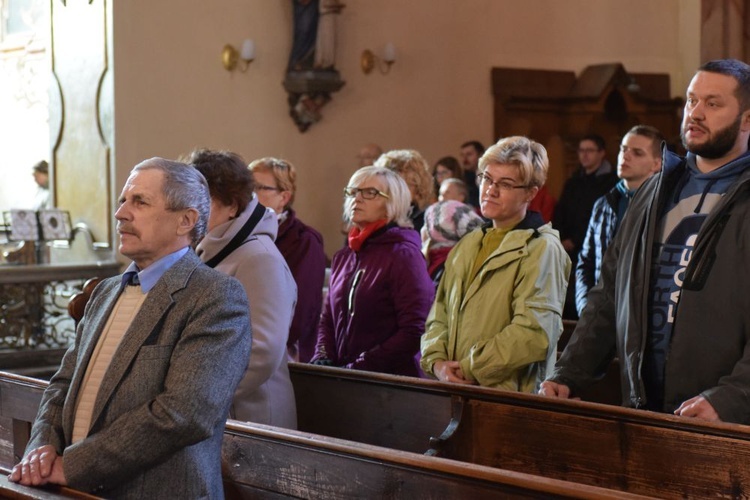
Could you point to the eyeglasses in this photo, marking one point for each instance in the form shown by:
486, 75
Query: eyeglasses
588, 150
485, 180
367, 193
262, 187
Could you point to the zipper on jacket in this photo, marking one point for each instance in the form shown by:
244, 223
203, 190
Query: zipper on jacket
352, 291
651, 220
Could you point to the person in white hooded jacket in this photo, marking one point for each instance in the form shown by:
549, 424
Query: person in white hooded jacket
240, 243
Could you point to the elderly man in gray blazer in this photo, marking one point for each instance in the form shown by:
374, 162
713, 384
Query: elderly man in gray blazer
138, 406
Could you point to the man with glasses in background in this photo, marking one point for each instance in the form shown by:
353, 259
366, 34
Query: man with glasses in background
497, 314
594, 179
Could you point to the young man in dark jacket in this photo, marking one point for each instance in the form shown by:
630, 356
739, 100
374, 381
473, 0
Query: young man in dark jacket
672, 300
639, 159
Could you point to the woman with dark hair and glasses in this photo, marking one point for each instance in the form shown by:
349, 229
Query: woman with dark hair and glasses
380, 292
302, 248
498, 310
239, 243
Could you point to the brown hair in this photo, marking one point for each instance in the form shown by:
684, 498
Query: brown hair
229, 180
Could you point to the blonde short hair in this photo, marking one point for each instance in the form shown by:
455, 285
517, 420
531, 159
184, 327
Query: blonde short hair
529, 156
398, 202
414, 169
283, 173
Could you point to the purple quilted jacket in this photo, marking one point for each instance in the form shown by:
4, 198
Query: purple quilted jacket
377, 304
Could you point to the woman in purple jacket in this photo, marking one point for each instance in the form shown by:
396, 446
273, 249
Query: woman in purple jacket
380, 293
302, 248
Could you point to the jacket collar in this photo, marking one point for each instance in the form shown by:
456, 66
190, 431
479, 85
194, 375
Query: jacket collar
533, 220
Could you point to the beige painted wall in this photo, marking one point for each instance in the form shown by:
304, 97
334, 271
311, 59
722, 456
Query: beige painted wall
171, 93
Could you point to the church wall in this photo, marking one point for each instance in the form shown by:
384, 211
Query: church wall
172, 94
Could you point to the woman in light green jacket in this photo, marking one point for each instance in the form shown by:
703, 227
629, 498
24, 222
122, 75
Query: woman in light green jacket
497, 314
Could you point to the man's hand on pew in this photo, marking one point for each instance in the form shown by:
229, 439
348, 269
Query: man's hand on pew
40, 466
698, 407
555, 390
450, 371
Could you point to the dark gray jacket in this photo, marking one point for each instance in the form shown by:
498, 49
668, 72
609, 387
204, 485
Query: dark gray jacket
158, 420
710, 353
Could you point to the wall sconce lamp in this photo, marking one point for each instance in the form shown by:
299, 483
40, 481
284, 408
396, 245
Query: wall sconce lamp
230, 57
369, 60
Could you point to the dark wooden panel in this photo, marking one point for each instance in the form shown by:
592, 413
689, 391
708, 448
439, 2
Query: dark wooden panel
389, 412
557, 108
502, 434
599, 445
20, 396
6, 442
545, 84
645, 457
263, 459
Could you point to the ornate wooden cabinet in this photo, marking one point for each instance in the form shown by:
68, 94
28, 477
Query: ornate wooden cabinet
557, 108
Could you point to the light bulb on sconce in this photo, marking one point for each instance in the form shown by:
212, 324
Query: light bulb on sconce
231, 58
369, 60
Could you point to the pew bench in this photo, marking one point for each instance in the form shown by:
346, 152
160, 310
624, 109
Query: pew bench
18, 492
266, 462
260, 459
600, 445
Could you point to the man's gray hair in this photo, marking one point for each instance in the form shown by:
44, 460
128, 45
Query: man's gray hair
184, 187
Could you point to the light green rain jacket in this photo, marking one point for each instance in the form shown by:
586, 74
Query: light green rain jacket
504, 326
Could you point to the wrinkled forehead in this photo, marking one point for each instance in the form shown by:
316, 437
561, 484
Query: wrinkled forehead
147, 181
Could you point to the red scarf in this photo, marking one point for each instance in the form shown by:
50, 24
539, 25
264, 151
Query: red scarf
358, 236
437, 257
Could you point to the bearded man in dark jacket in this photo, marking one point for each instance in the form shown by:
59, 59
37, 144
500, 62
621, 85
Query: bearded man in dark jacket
672, 300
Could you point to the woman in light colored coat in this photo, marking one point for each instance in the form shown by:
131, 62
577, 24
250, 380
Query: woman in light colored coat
240, 242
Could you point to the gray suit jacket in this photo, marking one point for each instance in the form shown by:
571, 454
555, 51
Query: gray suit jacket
159, 416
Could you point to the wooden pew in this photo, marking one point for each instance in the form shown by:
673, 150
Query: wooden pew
77, 303
19, 402
261, 459
18, 492
616, 448
619, 448
266, 462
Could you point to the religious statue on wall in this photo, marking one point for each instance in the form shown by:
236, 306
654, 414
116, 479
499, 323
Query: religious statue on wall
311, 75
